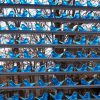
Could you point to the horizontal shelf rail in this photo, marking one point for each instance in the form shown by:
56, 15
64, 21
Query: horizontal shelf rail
32, 6
51, 87
50, 19
49, 59
45, 73
47, 32
47, 45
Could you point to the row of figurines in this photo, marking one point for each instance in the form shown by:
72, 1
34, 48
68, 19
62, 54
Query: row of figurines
59, 95
54, 82
49, 55
89, 3
39, 13
49, 27
51, 68
82, 40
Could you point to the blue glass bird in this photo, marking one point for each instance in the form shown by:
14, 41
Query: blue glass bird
38, 14
53, 28
38, 27
77, 15
84, 82
82, 41
86, 96
27, 55
56, 55
42, 83
25, 41
55, 41
1, 68
69, 41
77, 3
3, 27
41, 55
90, 4
96, 68
52, 2
96, 81
84, 68
70, 82
41, 41
13, 55
55, 68
74, 96
41, 68
1, 97
11, 41
27, 83
64, 14
66, 28
81, 29
80, 54
12, 84
24, 14
9, 2
65, 2
70, 55
89, 15
43, 97
30, 97
97, 97
27, 69
95, 41
37, 2
12, 27
94, 55
51, 15
94, 28
57, 96
24, 27
14, 69
14, 97
70, 68
56, 82
11, 14
3, 84
24, 2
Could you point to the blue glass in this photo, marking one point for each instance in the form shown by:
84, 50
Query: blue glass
51, 15
38, 14
53, 28
43, 97
24, 2
80, 54
74, 96
24, 27
2, 84
13, 55
84, 68
30, 97
77, 15
89, 15
1, 68
57, 96
27, 55
25, 41
37, 2
24, 14
64, 15
95, 41
38, 27
28, 69
70, 55
15, 97
55, 41
9, 1
89, 3
42, 68
69, 41
12, 84
77, 3
82, 41
2, 27
70, 82
86, 96
70, 68
81, 29
56, 55
12, 27
11, 41
42, 41
55, 68
65, 2
42, 83
94, 55
27, 83
97, 97
11, 14
14, 69
41, 55
96, 68
94, 28
96, 81
56, 82
66, 28
52, 2
84, 82
1, 97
